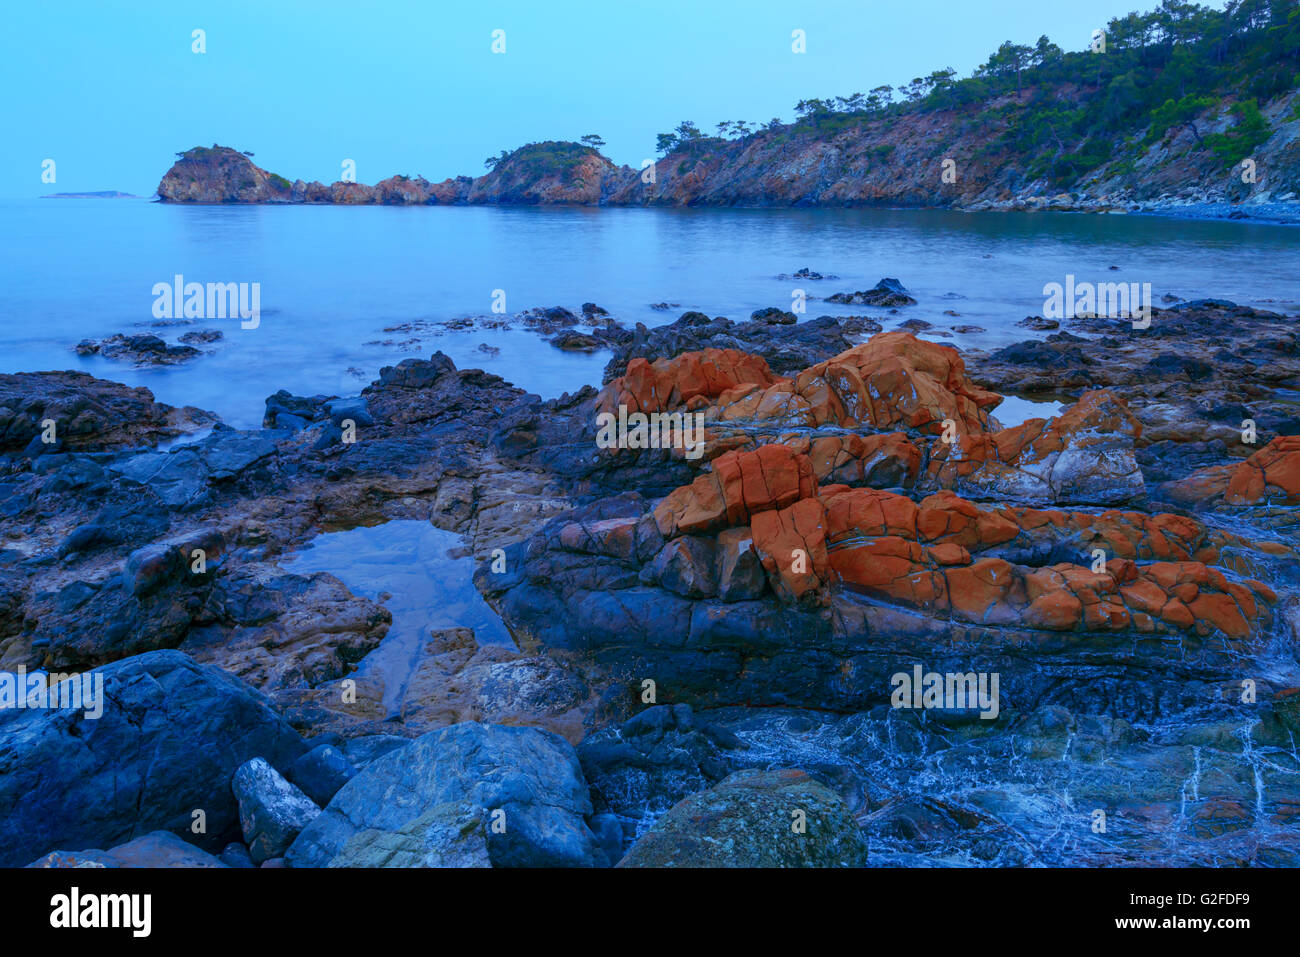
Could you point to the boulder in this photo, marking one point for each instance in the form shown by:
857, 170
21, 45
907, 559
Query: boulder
893, 380
528, 784
168, 742
447, 835
272, 812
1086, 455
753, 818
887, 293
321, 772
669, 384
1270, 476
740, 485
156, 849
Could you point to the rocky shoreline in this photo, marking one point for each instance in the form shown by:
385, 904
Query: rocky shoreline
783, 169
719, 632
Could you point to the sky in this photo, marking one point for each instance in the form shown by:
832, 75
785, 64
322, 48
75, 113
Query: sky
111, 91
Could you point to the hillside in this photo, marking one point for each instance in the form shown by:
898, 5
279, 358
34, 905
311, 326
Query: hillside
1183, 105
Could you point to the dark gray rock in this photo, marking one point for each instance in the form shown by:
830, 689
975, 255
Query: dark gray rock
369, 748
321, 772
158, 849
528, 783
168, 742
272, 812
647, 764
447, 835
235, 854
754, 818
886, 293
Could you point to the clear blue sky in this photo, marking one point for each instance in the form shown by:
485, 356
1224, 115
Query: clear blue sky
111, 90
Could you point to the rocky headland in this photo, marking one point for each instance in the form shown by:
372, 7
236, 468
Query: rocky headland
1182, 110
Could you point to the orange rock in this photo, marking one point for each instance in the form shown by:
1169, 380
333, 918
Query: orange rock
1177, 614
892, 380
741, 485
1057, 610
1272, 474
1106, 614
1084, 453
948, 554
892, 568
1144, 596
1221, 612
791, 543
859, 512
672, 383
986, 592
884, 459
945, 516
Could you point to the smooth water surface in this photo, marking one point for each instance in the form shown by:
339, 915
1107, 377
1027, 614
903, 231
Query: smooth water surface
333, 278
416, 571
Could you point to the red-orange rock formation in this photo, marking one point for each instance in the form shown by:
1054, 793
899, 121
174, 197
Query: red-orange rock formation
1270, 476
740, 485
684, 381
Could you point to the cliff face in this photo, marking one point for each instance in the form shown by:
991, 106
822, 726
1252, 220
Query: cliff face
898, 161
904, 161
957, 158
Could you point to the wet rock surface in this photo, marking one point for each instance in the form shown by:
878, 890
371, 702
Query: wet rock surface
167, 744
1126, 569
528, 782
780, 818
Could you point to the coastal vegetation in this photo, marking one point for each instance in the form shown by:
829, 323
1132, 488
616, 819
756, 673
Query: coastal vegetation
1141, 77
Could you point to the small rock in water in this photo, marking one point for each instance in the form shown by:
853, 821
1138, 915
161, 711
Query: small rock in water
774, 316
203, 336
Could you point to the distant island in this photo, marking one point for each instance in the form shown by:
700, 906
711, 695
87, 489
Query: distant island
1185, 106
98, 194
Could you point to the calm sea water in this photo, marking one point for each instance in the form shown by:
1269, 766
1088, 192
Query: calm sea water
332, 279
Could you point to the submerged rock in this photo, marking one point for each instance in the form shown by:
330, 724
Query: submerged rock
143, 350
886, 293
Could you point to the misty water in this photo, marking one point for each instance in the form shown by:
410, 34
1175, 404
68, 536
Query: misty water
333, 279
